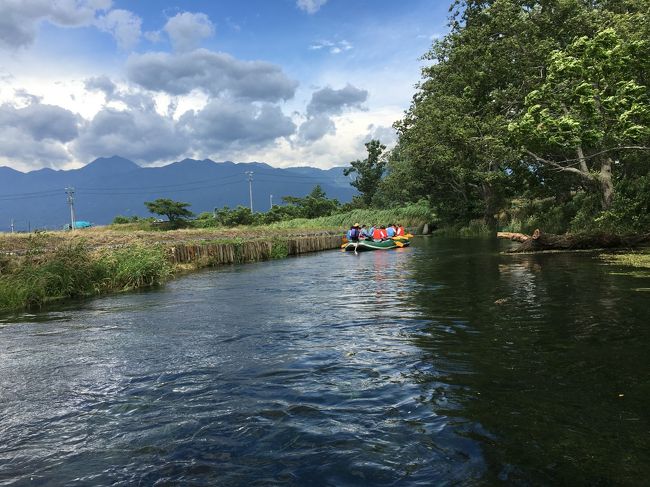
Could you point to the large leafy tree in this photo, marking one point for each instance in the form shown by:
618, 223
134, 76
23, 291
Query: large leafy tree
173, 210
499, 68
592, 108
369, 171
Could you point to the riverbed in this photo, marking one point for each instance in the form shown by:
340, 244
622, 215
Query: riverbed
445, 363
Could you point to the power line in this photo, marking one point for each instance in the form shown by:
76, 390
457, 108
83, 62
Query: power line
145, 190
22, 196
201, 181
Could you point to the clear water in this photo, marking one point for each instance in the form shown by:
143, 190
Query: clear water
445, 363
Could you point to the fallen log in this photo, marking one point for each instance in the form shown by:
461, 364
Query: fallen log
516, 237
548, 241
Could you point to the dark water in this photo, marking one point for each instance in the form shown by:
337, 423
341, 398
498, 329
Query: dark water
386, 368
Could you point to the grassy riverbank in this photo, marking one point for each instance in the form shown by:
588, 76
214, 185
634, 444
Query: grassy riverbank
36, 269
75, 270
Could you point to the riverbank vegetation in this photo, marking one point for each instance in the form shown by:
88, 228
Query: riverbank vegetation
75, 270
44, 268
531, 115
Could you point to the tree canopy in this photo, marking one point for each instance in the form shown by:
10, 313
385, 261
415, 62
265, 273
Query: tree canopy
313, 205
369, 171
526, 100
173, 210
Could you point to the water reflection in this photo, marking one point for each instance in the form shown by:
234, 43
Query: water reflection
553, 369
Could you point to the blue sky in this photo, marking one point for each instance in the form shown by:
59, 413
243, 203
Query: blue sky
288, 82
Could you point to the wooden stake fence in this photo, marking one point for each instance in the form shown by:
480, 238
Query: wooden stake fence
211, 254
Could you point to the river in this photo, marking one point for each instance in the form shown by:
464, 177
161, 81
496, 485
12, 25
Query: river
447, 363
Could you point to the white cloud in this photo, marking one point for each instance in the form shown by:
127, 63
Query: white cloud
316, 128
186, 30
329, 100
36, 135
212, 72
310, 6
228, 124
141, 135
334, 47
123, 25
19, 19
385, 134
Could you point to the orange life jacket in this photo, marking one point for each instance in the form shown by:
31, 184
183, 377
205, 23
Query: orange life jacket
376, 235
382, 232
400, 231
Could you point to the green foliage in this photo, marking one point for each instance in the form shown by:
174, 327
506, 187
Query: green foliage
629, 212
133, 267
74, 271
567, 80
411, 215
279, 213
368, 171
241, 215
173, 210
123, 220
314, 205
279, 249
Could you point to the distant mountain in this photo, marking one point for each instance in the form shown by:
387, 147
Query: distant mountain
112, 186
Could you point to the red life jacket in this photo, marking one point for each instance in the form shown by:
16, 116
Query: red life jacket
382, 232
400, 231
376, 235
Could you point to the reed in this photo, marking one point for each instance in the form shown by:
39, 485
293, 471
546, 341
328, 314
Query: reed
74, 271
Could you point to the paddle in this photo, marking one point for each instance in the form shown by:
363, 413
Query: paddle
398, 243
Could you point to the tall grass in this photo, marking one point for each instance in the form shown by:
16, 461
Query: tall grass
75, 271
412, 215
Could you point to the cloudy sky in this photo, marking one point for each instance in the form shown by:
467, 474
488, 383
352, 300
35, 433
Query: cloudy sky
288, 82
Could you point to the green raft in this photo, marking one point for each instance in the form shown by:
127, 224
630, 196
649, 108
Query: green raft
364, 245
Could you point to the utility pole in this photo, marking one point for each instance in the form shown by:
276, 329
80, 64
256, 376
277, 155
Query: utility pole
70, 192
250, 187
12, 225
271, 202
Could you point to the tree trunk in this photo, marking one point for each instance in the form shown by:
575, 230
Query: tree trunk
515, 237
547, 241
489, 209
606, 183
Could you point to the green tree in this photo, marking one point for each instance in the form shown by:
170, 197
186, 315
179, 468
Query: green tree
454, 137
369, 171
241, 215
173, 210
593, 106
313, 205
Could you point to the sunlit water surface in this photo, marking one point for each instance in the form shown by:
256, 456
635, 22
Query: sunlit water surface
445, 363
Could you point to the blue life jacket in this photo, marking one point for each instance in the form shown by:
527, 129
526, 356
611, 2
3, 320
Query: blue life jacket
390, 231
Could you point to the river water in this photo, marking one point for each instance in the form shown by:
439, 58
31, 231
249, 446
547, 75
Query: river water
447, 363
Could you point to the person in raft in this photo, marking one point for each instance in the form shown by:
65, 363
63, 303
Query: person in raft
379, 234
354, 233
364, 233
400, 230
390, 230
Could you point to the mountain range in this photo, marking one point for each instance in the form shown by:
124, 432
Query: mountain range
112, 186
